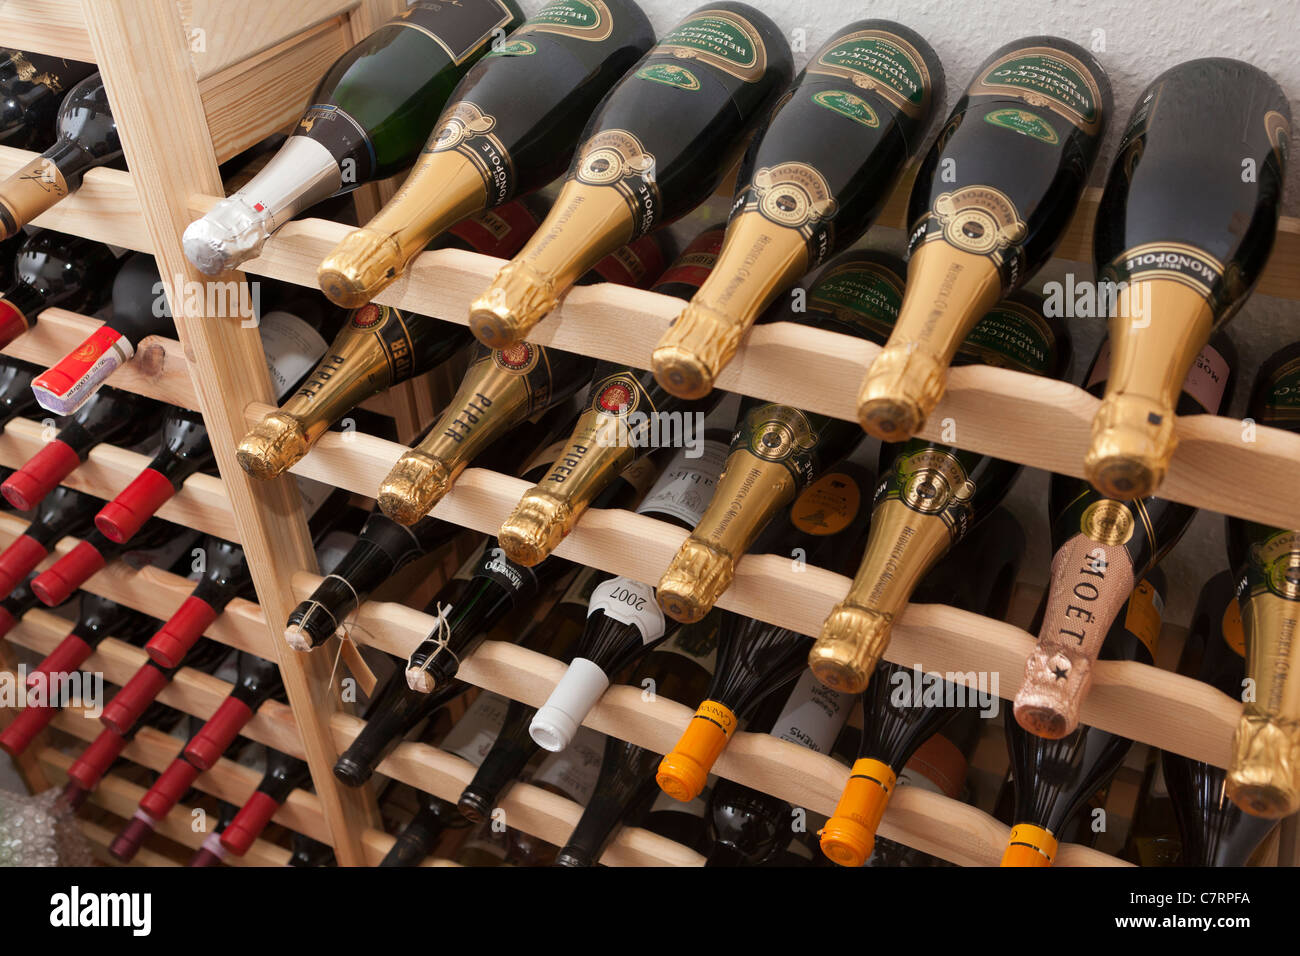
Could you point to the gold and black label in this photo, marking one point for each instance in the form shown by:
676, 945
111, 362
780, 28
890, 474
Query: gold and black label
781, 434
1107, 522
719, 38
1275, 565
620, 394
1282, 398
461, 27
1182, 263
1044, 77
589, 20
931, 480
615, 158
1110, 523
828, 505
795, 196
336, 130
467, 130
881, 62
980, 220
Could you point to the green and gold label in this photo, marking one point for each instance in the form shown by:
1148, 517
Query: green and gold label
461, 27
931, 480
1275, 562
468, 130
1283, 401
583, 19
882, 62
782, 434
616, 158
980, 220
794, 196
720, 38
670, 75
1012, 335
515, 48
861, 295
1046, 77
1025, 123
848, 105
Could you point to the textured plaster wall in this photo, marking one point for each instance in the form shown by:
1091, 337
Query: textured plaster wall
1135, 41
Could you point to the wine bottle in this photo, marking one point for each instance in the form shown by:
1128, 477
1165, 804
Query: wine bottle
258, 681
226, 575
366, 121
500, 389
509, 128
284, 774
210, 851
16, 398
1183, 231
825, 526
433, 818
571, 774
678, 669
1102, 547
111, 417
750, 827
310, 853
1053, 778
991, 200
1214, 830
51, 271
97, 618
31, 87
813, 180
158, 542
378, 348
1264, 776
557, 636
717, 74
930, 495
624, 621
62, 513
1152, 838
101, 753
20, 600
87, 139
625, 414
129, 703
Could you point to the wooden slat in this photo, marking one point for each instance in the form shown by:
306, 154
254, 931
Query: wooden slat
158, 371
52, 27
159, 593
1035, 421
141, 48
201, 503
219, 40
106, 207
1141, 702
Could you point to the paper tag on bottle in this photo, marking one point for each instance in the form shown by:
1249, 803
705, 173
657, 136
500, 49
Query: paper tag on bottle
573, 771
292, 348
685, 487
629, 602
475, 733
813, 715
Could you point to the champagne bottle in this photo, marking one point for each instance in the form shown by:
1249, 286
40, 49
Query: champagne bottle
52, 271
137, 694
1053, 778
16, 398
1264, 776
1183, 232
1103, 546
434, 817
825, 526
31, 87
624, 622
87, 139
749, 827
61, 514
509, 128
625, 414
159, 542
1214, 830
930, 495
1153, 830
284, 774
717, 74
679, 670
571, 774
366, 121
111, 417
378, 348
903, 708
813, 180
991, 201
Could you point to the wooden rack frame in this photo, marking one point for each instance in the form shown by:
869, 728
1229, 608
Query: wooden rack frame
233, 78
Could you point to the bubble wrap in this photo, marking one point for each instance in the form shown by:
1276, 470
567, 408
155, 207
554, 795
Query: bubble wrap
40, 831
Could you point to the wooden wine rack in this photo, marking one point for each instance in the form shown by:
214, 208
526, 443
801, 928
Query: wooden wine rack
193, 82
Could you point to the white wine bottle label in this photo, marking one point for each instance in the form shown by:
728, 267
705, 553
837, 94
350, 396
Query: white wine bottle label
813, 715
629, 602
476, 732
686, 486
573, 771
1205, 382
292, 348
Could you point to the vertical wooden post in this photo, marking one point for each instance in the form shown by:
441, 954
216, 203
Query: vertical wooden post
141, 51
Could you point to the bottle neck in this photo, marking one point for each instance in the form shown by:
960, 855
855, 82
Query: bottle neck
283, 775
504, 763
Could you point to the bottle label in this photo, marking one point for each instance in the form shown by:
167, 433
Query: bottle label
589, 20
848, 105
475, 733
1145, 616
719, 38
632, 603
518, 580
499, 232
861, 295
573, 771
388, 325
881, 62
1012, 335
782, 434
980, 220
1182, 263
1233, 632
340, 134
686, 485
1025, 123
292, 348
827, 506
670, 74
695, 263
460, 27
1206, 381
1278, 129
813, 715
938, 766
1043, 76
931, 480
615, 158
795, 196
1276, 561
467, 130
1283, 397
